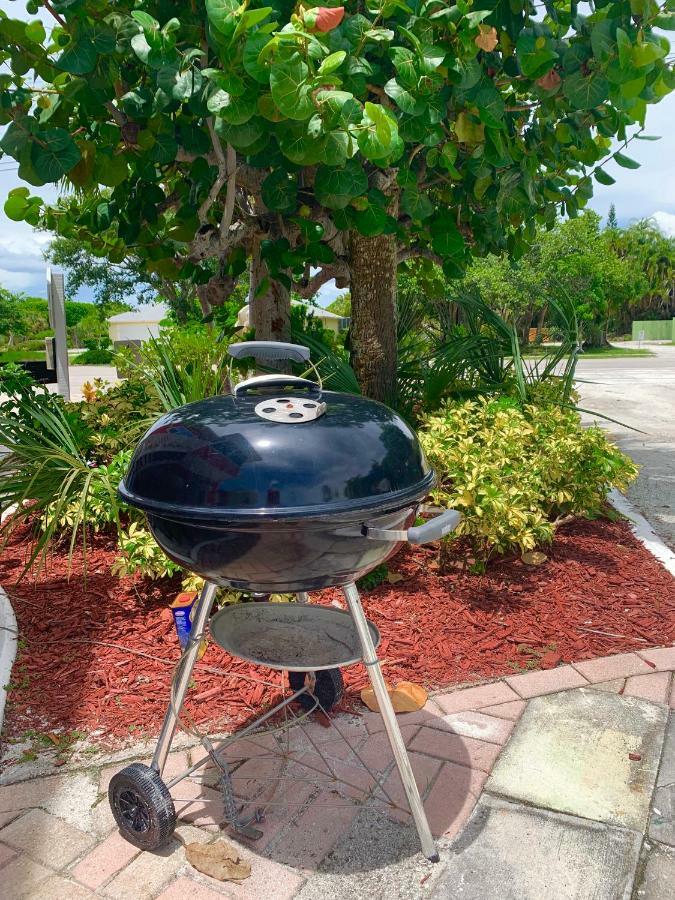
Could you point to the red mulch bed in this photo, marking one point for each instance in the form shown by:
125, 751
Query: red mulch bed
75, 668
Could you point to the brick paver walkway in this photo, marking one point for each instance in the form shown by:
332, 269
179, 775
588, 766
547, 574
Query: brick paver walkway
58, 838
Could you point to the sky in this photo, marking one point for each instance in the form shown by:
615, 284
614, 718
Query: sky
638, 193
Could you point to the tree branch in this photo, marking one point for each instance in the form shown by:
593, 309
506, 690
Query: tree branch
412, 252
50, 9
308, 287
221, 178
116, 113
228, 211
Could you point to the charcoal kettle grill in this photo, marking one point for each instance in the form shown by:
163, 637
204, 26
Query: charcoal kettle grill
280, 486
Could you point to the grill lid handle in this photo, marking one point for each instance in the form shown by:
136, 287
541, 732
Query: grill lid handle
433, 530
273, 381
269, 351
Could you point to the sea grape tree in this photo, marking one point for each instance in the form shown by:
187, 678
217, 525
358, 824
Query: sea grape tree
321, 142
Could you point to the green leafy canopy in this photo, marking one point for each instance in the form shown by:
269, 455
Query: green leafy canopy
457, 128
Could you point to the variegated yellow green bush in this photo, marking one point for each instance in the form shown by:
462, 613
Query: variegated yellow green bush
515, 472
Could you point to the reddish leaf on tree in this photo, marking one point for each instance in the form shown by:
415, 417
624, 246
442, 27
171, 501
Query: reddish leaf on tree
487, 39
324, 18
549, 81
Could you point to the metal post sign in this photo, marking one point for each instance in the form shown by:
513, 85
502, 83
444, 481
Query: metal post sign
57, 320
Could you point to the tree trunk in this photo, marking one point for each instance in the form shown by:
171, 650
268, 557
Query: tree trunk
269, 307
595, 335
540, 324
373, 328
523, 330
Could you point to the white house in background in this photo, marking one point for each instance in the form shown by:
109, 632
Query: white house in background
328, 319
137, 325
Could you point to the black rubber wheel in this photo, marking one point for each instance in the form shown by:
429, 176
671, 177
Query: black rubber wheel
328, 689
142, 806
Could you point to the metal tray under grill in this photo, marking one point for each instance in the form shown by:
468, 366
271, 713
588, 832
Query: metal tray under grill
294, 636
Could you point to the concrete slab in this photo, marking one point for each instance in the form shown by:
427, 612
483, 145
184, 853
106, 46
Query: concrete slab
378, 859
571, 753
657, 881
667, 768
511, 852
662, 819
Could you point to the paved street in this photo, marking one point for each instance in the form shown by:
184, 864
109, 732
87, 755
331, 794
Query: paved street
639, 392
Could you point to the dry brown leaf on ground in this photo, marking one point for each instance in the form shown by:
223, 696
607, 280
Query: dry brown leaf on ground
405, 697
412, 695
218, 860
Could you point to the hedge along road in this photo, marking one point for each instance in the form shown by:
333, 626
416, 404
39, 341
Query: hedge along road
639, 392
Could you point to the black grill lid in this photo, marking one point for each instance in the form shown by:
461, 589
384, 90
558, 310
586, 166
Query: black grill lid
218, 460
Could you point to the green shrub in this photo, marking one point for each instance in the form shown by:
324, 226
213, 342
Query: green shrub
100, 512
180, 367
46, 474
94, 356
114, 418
515, 473
141, 555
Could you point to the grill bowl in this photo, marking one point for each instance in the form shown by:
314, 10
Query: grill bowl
278, 557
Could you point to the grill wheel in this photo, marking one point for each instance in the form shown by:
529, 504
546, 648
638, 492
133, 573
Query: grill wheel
328, 689
142, 806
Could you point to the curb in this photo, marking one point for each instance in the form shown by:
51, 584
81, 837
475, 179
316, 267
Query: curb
643, 531
9, 635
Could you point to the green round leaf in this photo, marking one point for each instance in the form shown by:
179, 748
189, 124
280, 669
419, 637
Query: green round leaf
221, 15
446, 240
337, 147
535, 58
254, 44
185, 84
335, 188
290, 89
280, 191
78, 58
110, 170
242, 137
585, 91
35, 31
164, 149
16, 206
372, 221
332, 62
405, 101
415, 204
54, 153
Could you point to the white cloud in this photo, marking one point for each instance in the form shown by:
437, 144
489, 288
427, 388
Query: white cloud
665, 221
638, 192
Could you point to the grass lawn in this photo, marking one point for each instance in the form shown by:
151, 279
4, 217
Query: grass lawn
22, 356
595, 353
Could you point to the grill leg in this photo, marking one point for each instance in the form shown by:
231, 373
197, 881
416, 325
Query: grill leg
391, 725
200, 617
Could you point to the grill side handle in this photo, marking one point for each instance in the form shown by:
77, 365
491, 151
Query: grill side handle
269, 351
433, 530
